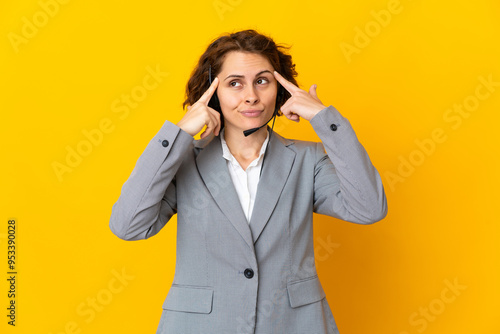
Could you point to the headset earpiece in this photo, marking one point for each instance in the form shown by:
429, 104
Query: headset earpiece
214, 101
280, 97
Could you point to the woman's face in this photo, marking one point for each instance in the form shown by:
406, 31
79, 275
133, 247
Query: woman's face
247, 90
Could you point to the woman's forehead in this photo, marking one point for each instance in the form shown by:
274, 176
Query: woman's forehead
244, 64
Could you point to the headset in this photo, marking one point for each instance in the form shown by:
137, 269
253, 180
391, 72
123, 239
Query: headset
215, 104
214, 101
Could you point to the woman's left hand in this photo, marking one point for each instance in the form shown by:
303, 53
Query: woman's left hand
301, 103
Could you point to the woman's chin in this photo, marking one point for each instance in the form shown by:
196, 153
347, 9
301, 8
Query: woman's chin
255, 122
246, 124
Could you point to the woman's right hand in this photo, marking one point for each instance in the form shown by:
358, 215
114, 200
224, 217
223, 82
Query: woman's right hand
200, 114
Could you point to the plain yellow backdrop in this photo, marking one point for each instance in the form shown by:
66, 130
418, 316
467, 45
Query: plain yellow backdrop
418, 80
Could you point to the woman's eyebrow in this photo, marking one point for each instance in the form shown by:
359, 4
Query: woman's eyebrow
242, 76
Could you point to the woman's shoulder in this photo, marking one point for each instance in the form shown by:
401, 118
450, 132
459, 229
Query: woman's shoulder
300, 145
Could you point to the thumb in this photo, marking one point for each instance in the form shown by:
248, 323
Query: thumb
312, 91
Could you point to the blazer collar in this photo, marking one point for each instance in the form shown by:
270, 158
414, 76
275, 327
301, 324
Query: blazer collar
278, 162
212, 167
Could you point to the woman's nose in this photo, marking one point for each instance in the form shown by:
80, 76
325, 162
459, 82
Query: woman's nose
251, 95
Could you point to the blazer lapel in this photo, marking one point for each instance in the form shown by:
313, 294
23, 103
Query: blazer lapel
213, 169
278, 163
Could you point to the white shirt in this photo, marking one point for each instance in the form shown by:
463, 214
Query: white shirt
245, 181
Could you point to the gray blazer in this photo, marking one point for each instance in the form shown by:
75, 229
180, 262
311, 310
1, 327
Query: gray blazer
234, 276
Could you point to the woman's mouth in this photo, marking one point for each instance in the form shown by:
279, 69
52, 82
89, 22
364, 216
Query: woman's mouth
251, 112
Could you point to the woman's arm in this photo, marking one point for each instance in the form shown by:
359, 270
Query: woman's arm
351, 188
147, 200
148, 197
346, 185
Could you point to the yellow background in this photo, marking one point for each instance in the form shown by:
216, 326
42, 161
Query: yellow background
396, 89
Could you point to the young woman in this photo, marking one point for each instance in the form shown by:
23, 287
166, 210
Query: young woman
245, 202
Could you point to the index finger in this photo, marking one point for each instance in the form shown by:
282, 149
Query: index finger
205, 98
290, 87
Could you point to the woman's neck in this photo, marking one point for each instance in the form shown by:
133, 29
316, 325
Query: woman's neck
245, 149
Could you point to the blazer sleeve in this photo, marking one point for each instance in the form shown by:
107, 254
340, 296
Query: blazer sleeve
148, 199
346, 184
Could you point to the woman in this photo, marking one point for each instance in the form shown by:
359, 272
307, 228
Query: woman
245, 202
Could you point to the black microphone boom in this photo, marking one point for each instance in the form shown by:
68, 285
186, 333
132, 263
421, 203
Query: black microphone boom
250, 131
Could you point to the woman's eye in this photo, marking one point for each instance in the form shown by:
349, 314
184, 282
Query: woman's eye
260, 81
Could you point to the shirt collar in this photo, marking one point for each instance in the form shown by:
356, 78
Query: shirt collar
226, 153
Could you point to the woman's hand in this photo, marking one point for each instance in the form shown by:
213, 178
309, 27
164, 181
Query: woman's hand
301, 103
200, 114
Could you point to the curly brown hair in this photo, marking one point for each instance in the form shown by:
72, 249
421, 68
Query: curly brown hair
244, 41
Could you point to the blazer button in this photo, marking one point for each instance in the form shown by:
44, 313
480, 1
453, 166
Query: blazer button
248, 273
164, 143
333, 127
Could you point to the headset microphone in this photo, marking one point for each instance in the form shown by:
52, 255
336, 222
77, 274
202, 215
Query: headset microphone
250, 131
